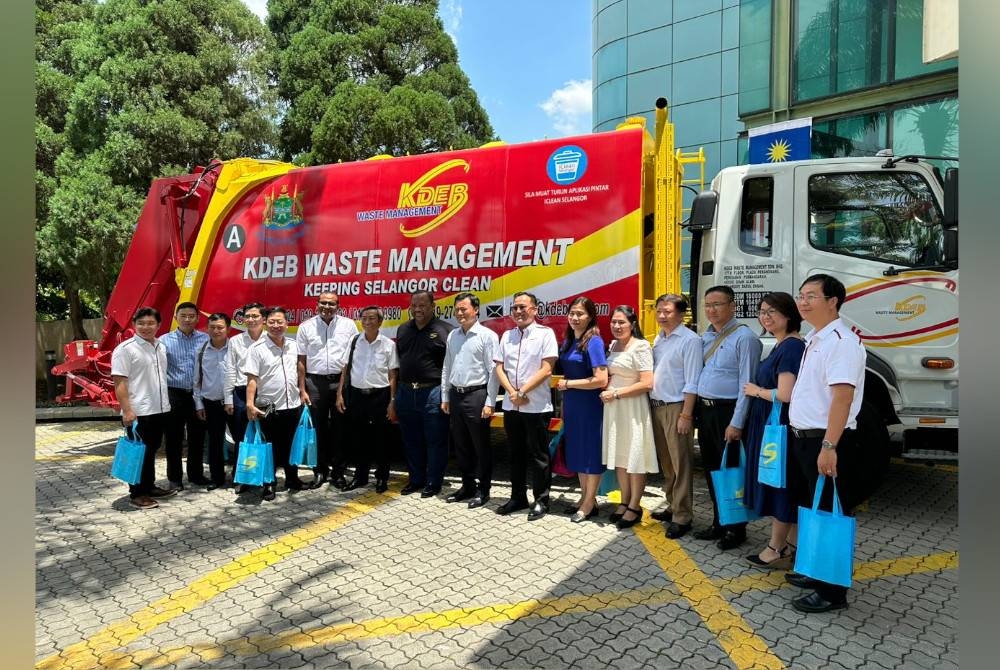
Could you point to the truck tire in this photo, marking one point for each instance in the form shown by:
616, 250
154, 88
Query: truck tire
871, 464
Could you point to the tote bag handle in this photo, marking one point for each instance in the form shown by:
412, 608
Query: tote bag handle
820, 483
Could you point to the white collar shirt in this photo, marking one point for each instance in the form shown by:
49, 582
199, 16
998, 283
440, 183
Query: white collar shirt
144, 364
239, 346
833, 355
469, 361
210, 374
678, 361
326, 345
522, 353
372, 362
276, 369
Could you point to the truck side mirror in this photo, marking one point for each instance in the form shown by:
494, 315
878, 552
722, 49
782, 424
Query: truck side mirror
703, 211
951, 198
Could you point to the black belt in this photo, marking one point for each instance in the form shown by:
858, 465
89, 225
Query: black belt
370, 391
177, 389
808, 432
469, 389
716, 402
663, 403
335, 377
421, 385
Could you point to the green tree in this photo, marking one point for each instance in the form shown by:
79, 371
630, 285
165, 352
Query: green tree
366, 77
127, 91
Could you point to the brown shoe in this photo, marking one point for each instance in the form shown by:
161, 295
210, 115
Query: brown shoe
143, 502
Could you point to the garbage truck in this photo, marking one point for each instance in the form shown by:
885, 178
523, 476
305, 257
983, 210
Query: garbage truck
600, 215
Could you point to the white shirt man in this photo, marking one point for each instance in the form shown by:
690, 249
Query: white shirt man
823, 412
469, 388
524, 365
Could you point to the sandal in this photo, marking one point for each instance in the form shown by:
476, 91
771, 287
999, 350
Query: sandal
624, 523
782, 562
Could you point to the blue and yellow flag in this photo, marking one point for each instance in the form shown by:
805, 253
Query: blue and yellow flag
780, 142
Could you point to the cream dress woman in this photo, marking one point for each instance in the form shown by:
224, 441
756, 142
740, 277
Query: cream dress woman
628, 429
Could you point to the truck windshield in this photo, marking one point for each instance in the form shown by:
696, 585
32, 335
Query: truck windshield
883, 216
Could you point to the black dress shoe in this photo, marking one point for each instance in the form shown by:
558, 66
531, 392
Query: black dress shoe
175, 486
478, 500
676, 530
814, 602
731, 540
663, 515
318, 481
268, 492
713, 532
800, 580
460, 495
537, 511
294, 484
411, 488
381, 485
212, 486
354, 484
157, 492
199, 481
512, 505
430, 491
339, 483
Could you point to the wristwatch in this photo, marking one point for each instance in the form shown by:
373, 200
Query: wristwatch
827, 444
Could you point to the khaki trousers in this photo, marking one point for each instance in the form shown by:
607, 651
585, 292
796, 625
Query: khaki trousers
676, 454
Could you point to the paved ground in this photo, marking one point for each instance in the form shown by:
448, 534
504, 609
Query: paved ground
328, 579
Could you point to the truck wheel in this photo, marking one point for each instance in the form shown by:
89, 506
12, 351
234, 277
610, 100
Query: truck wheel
872, 456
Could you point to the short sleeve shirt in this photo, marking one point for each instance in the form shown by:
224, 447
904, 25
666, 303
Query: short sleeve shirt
833, 355
144, 364
522, 353
325, 345
372, 362
678, 364
422, 350
276, 369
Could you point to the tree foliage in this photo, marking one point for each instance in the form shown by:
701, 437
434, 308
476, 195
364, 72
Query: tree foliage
127, 91
366, 77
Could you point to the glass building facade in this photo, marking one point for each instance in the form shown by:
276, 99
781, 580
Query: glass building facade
854, 66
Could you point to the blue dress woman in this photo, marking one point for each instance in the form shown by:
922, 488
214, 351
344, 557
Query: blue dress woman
585, 373
776, 374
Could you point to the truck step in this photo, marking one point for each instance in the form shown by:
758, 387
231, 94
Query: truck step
937, 455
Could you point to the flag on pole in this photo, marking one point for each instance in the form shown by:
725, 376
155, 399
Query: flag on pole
780, 142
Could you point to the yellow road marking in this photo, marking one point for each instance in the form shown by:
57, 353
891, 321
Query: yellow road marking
497, 613
737, 638
60, 436
87, 654
931, 465
83, 458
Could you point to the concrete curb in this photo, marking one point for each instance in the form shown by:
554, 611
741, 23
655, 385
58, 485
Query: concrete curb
75, 413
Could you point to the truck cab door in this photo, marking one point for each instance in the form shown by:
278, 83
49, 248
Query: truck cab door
880, 231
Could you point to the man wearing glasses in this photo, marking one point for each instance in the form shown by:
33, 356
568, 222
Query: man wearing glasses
823, 414
524, 364
730, 353
324, 341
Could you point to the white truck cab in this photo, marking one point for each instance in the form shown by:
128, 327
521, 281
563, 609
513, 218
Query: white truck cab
887, 229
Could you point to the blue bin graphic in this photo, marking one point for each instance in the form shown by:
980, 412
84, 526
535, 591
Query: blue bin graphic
567, 165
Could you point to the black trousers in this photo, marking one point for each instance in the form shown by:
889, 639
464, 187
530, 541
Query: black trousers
279, 429
369, 431
528, 440
712, 423
240, 420
331, 457
216, 422
804, 473
470, 434
151, 433
183, 420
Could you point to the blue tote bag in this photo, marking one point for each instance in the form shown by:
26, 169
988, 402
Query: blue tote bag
773, 462
304, 443
255, 461
826, 540
729, 484
129, 455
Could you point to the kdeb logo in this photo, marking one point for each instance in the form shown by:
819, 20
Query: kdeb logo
567, 164
283, 215
421, 198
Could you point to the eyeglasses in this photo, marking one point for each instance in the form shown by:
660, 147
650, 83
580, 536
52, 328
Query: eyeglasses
329, 303
810, 297
520, 308
716, 305
767, 312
